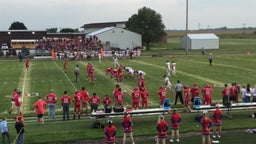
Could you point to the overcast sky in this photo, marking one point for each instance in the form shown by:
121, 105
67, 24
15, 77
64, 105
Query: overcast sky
42, 14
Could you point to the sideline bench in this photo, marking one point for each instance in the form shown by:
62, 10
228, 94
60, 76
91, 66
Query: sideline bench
99, 114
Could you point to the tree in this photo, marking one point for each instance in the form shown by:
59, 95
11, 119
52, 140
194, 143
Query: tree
68, 30
52, 30
149, 24
17, 26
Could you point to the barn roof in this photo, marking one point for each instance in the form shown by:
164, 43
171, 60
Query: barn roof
203, 36
101, 31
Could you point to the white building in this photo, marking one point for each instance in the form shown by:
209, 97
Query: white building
197, 41
114, 37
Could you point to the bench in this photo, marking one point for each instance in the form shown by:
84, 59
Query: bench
100, 114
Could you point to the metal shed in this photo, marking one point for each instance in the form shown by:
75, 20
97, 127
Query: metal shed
197, 41
114, 37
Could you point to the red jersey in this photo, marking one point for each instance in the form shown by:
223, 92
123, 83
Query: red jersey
110, 134
127, 124
119, 97
136, 96
66, 100
195, 91
207, 91
85, 95
39, 106
217, 117
187, 95
162, 128
17, 100
206, 124
107, 101
51, 98
233, 91
65, 65
94, 100
141, 83
144, 96
77, 99
175, 121
225, 91
162, 95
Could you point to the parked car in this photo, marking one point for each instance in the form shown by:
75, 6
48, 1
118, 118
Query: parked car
4, 46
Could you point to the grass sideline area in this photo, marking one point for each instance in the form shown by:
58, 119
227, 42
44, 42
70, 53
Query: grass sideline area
194, 68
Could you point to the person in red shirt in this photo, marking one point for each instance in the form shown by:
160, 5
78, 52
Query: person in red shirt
194, 92
107, 104
225, 93
233, 93
51, 100
65, 102
115, 91
110, 133
162, 95
187, 98
119, 96
206, 125
92, 78
94, 101
85, 99
27, 64
18, 102
217, 121
207, 95
175, 125
141, 83
128, 127
39, 106
14, 93
135, 98
65, 65
162, 128
77, 101
144, 98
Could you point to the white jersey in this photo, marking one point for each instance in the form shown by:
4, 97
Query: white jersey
141, 73
168, 65
174, 65
167, 83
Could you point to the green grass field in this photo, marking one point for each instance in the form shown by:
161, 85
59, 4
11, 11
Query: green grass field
228, 67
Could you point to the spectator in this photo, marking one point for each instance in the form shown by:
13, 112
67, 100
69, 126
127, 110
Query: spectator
65, 102
51, 100
19, 126
128, 127
217, 121
162, 128
5, 131
39, 106
175, 125
206, 125
110, 133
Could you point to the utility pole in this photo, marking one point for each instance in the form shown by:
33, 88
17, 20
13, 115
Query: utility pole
186, 26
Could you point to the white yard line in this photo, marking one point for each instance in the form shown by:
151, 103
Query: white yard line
70, 81
184, 73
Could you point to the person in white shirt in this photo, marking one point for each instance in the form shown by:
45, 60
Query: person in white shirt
168, 68
173, 68
168, 84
